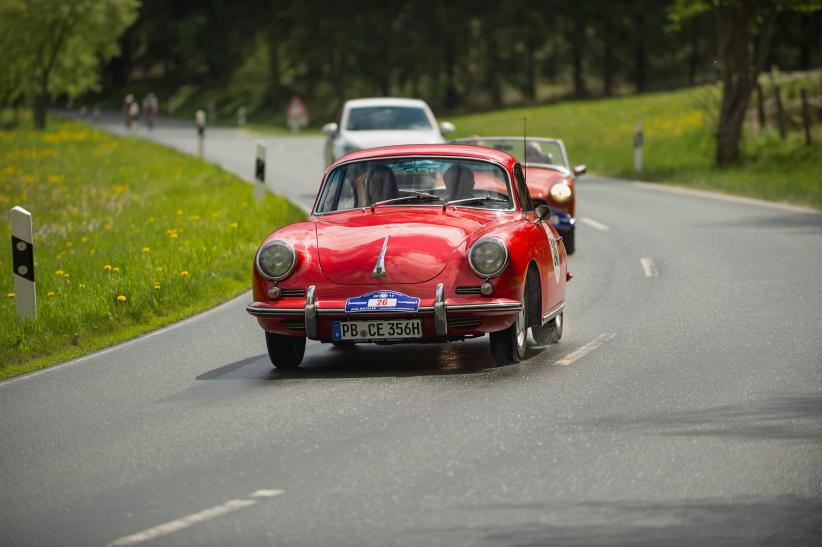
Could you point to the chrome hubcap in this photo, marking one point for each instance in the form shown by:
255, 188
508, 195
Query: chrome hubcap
521, 331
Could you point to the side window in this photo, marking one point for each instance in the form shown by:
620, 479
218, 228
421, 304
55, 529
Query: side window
522, 189
331, 192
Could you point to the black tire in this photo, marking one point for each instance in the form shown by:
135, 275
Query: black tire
508, 346
285, 352
550, 332
569, 238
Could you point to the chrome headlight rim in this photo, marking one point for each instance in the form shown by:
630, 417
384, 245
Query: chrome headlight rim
281, 243
566, 192
487, 239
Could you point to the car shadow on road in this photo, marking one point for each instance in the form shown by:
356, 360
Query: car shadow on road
793, 222
788, 520
373, 361
791, 417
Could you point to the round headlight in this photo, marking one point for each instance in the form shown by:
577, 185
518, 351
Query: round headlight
561, 192
276, 259
488, 257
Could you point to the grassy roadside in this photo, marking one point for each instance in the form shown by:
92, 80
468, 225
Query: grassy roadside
678, 143
129, 236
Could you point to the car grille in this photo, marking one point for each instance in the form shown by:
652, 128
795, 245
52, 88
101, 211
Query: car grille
464, 322
292, 292
468, 290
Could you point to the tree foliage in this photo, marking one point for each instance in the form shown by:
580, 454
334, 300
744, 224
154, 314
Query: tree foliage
52, 47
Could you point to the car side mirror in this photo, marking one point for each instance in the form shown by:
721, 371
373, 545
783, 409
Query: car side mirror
330, 128
447, 127
543, 212
580, 170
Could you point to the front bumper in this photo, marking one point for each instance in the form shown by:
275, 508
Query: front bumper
440, 317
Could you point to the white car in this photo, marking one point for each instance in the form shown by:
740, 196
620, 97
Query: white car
368, 123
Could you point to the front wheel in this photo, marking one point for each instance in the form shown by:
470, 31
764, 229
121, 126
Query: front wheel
285, 352
550, 332
508, 346
569, 238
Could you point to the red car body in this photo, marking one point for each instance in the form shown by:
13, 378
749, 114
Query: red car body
425, 250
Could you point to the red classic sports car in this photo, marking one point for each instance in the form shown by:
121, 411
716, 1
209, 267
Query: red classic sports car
415, 243
548, 174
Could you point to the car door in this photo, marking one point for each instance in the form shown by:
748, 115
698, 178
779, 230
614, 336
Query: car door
546, 249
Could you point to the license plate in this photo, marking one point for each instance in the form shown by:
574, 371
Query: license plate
385, 329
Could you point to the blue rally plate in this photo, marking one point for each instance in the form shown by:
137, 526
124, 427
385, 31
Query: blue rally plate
382, 301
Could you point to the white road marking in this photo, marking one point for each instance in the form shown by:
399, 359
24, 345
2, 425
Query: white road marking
649, 266
594, 344
724, 197
194, 518
594, 224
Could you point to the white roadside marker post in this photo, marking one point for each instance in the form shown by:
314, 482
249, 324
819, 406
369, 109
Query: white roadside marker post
259, 171
638, 143
22, 248
241, 116
200, 118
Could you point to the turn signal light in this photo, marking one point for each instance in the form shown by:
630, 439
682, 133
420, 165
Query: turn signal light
274, 292
486, 289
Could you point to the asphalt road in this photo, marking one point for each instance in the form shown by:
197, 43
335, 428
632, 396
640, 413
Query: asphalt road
680, 408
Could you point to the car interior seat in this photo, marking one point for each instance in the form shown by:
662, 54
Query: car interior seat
459, 181
381, 184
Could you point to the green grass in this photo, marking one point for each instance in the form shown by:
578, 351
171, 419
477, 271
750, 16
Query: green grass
678, 128
129, 236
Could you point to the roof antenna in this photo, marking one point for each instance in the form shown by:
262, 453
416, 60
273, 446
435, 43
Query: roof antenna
524, 146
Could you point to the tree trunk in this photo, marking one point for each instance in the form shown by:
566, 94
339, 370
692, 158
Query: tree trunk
576, 53
693, 54
607, 63
739, 69
492, 69
640, 56
40, 106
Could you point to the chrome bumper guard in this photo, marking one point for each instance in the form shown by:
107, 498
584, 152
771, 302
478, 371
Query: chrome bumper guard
440, 311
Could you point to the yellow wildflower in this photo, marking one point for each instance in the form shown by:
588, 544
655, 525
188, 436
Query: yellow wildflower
146, 250
10, 294
115, 269
107, 267
55, 179
184, 273
69, 244
50, 293
92, 251
83, 239
59, 273
179, 212
158, 269
151, 220
82, 285
121, 298
107, 226
156, 284
233, 226
195, 218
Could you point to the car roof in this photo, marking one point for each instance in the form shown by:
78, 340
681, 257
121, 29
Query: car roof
461, 150
385, 101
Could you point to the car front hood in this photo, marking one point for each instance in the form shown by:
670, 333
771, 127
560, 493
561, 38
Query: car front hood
373, 139
421, 242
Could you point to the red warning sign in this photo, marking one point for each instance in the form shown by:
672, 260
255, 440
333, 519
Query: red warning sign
296, 115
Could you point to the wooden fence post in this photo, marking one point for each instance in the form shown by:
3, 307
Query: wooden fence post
780, 118
806, 117
760, 106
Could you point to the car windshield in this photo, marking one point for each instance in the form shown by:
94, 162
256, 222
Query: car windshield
537, 151
417, 182
371, 118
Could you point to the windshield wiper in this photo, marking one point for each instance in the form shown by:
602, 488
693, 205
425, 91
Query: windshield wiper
414, 196
472, 200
